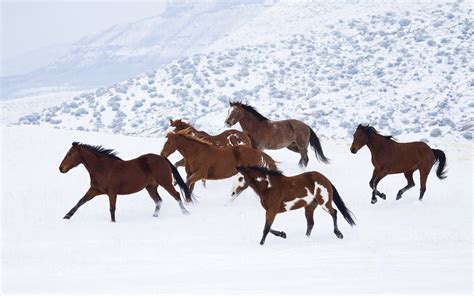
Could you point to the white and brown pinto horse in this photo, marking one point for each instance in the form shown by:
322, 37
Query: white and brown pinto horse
268, 134
279, 194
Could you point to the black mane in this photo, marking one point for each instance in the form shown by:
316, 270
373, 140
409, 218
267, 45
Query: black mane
249, 109
99, 149
262, 169
370, 130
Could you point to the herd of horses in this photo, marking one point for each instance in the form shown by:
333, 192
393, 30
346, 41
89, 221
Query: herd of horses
241, 153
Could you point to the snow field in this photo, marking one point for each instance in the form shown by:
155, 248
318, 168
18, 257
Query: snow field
397, 246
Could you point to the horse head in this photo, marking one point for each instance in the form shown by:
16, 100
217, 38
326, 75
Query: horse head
72, 158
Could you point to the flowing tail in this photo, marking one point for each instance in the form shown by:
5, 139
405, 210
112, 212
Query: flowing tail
346, 213
441, 160
182, 185
314, 141
268, 162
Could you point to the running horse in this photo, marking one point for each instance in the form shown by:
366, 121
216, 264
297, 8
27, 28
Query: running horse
204, 161
279, 194
227, 138
390, 157
112, 176
268, 134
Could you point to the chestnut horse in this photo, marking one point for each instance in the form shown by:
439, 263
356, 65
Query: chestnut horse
112, 176
279, 194
204, 161
268, 134
225, 139
390, 157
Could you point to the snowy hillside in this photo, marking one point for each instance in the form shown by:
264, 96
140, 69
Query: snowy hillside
126, 50
403, 71
396, 247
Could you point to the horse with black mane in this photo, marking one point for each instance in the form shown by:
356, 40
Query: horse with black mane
268, 134
391, 157
279, 193
112, 176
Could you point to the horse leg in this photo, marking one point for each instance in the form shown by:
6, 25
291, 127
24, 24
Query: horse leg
303, 150
423, 177
153, 192
281, 234
90, 194
293, 147
371, 184
193, 178
378, 176
269, 217
177, 197
333, 213
309, 213
112, 203
411, 183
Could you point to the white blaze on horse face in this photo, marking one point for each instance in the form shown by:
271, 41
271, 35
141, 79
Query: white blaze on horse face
238, 182
228, 139
310, 197
232, 109
170, 129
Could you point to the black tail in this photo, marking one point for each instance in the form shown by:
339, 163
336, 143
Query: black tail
314, 141
441, 159
346, 213
182, 185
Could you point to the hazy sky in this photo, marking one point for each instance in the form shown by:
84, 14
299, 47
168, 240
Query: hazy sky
28, 25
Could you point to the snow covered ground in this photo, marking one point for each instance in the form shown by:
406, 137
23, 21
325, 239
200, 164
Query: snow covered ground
397, 246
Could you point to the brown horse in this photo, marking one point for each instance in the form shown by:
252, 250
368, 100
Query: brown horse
227, 138
203, 160
267, 134
279, 194
390, 157
112, 176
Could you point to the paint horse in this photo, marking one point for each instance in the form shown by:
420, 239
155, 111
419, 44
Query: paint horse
279, 194
390, 157
227, 138
204, 161
267, 134
113, 176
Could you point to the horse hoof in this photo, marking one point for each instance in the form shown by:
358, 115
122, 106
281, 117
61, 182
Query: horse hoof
67, 217
398, 196
155, 215
374, 200
283, 234
383, 196
339, 235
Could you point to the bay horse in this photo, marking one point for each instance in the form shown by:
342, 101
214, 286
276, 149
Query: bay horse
112, 176
268, 134
390, 157
227, 138
279, 194
204, 161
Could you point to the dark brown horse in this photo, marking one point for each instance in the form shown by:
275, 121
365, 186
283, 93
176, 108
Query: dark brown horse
112, 176
267, 134
279, 194
390, 157
204, 161
227, 138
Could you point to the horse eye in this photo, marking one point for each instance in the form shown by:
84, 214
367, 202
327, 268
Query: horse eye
241, 179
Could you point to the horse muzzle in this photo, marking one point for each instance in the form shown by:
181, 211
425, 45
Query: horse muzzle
62, 170
353, 150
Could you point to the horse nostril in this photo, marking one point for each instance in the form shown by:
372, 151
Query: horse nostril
353, 150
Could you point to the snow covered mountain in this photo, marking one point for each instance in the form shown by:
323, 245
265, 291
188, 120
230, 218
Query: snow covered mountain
127, 50
405, 69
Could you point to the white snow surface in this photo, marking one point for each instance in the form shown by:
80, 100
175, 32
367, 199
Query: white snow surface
404, 67
403, 246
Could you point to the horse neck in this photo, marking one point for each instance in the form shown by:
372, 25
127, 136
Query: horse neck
250, 123
187, 146
95, 163
378, 143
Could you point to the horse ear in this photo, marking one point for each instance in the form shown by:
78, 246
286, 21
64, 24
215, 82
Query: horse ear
171, 121
75, 143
